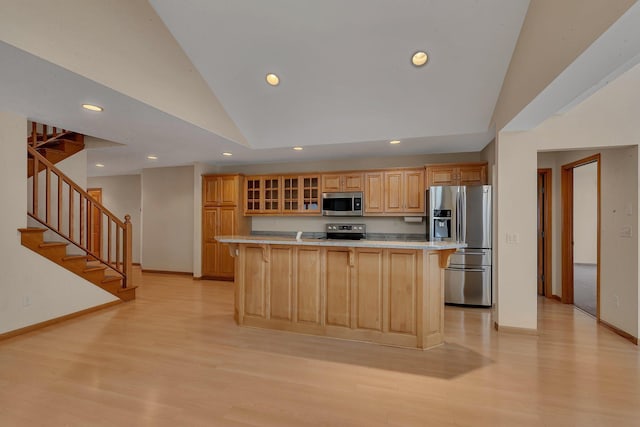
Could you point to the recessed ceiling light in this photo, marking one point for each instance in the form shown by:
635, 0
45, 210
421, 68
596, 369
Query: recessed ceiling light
152, 157
91, 107
226, 153
395, 141
298, 148
273, 79
99, 165
419, 58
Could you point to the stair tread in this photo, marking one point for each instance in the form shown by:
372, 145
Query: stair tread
32, 230
129, 288
108, 279
51, 149
52, 244
97, 268
74, 257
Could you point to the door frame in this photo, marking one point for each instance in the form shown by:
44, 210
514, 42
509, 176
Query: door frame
545, 252
567, 229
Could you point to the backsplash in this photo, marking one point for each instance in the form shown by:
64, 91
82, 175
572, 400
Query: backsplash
310, 226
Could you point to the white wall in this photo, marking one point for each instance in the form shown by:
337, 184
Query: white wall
606, 119
122, 195
168, 219
585, 214
32, 289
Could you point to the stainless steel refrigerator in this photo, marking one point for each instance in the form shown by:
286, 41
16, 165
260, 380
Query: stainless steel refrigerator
463, 214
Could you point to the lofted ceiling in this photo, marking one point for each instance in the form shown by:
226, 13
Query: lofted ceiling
347, 85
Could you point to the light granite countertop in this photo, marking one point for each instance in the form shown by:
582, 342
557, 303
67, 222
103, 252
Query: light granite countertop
279, 240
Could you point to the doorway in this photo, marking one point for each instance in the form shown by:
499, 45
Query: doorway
581, 234
544, 233
94, 223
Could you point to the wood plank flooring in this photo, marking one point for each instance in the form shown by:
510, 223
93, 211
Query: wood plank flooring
174, 357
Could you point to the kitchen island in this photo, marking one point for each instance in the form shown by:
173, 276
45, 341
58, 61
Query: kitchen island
385, 292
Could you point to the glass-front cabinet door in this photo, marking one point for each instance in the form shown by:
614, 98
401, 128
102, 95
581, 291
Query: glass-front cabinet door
291, 194
271, 195
253, 187
310, 203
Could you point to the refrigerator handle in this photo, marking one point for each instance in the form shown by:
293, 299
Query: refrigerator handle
459, 216
463, 216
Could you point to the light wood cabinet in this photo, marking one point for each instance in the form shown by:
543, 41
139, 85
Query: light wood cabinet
391, 296
342, 182
282, 195
220, 190
456, 174
369, 288
221, 215
394, 192
373, 193
301, 195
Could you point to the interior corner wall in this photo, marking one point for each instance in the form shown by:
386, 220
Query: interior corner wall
168, 219
606, 119
122, 195
33, 289
515, 232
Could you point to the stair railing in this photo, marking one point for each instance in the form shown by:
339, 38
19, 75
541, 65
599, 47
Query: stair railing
65, 208
37, 139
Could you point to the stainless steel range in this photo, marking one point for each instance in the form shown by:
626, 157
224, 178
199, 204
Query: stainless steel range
346, 231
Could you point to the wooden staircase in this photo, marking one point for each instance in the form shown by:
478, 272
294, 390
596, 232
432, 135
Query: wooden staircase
53, 144
65, 209
93, 271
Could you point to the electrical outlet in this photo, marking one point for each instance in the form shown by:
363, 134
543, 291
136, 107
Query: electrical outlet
26, 301
617, 299
513, 238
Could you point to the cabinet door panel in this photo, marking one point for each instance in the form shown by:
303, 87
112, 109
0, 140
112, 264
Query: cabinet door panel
442, 176
210, 190
331, 183
393, 194
210, 247
414, 191
353, 182
374, 195
473, 175
229, 190
369, 289
402, 291
280, 282
338, 281
254, 281
227, 227
308, 285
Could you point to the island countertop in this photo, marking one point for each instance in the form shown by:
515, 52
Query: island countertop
391, 244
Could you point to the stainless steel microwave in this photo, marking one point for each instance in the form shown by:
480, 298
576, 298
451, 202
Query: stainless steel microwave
342, 204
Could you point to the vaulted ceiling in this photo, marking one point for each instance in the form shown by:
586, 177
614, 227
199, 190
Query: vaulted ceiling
186, 80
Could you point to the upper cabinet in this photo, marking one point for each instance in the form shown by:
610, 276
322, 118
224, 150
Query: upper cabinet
456, 174
282, 195
220, 190
351, 181
394, 192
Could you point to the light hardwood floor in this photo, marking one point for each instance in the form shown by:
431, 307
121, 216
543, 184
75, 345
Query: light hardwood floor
174, 357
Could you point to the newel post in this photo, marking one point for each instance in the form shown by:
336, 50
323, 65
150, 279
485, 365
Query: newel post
127, 253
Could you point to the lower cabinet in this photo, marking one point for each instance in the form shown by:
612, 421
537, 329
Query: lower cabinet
217, 261
370, 294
